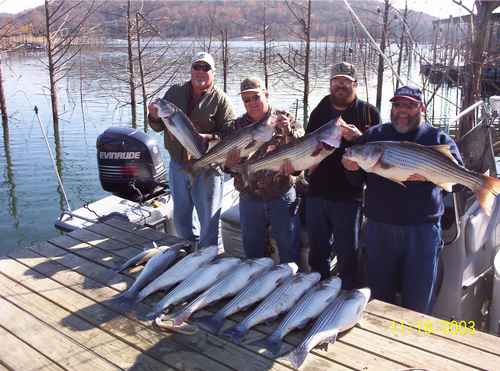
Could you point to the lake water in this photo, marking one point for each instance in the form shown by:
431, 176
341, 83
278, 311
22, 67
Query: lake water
30, 200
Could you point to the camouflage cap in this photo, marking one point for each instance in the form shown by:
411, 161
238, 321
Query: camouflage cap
343, 69
251, 84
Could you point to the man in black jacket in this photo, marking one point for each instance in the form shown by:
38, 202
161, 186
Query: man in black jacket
332, 202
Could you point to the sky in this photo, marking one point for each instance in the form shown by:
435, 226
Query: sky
437, 8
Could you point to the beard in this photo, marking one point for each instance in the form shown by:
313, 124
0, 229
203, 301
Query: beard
404, 123
342, 96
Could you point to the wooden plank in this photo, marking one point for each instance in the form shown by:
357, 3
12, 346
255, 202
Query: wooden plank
17, 355
202, 344
91, 337
48, 341
117, 234
137, 229
343, 354
479, 340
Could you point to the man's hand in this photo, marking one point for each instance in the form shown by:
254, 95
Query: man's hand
350, 165
349, 132
153, 111
287, 168
282, 120
416, 178
233, 158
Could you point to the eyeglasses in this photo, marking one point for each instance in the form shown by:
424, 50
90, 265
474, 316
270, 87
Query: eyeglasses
253, 98
341, 82
201, 67
405, 105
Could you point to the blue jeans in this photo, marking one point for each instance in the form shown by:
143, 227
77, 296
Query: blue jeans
204, 193
330, 225
403, 258
280, 213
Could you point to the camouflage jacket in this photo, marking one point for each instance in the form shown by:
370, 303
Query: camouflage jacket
267, 184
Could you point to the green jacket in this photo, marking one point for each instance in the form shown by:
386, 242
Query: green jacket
212, 114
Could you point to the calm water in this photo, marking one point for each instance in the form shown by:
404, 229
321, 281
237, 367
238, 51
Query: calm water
30, 200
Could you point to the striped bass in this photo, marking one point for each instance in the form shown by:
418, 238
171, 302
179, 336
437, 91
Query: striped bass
398, 160
341, 315
180, 127
228, 286
179, 271
280, 300
247, 140
254, 292
197, 281
140, 258
153, 268
302, 154
306, 309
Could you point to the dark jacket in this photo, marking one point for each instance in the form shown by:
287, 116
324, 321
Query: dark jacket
211, 114
329, 180
418, 202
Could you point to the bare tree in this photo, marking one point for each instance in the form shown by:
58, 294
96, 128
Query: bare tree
5, 31
380, 72
63, 24
130, 72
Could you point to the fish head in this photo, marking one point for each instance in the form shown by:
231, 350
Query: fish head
331, 135
266, 262
333, 282
165, 108
366, 156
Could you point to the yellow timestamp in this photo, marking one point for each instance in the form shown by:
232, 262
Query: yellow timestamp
436, 327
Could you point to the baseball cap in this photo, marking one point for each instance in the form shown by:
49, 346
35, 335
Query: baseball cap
251, 84
343, 69
204, 57
408, 92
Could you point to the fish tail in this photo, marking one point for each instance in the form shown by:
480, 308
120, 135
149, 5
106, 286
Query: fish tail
488, 193
298, 356
211, 323
271, 343
235, 333
124, 301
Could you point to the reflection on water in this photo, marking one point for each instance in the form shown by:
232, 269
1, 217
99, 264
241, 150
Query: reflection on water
91, 100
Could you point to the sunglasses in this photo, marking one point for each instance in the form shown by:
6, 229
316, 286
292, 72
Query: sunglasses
253, 98
201, 67
405, 105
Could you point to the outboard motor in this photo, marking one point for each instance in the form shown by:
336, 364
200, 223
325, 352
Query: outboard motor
130, 165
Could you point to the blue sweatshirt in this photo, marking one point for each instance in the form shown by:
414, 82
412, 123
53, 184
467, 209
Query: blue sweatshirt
419, 202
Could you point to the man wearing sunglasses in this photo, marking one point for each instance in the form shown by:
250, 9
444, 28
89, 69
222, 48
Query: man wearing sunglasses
211, 113
403, 230
269, 198
332, 203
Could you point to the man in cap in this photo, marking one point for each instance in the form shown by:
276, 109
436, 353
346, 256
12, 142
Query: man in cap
332, 203
269, 197
403, 231
211, 113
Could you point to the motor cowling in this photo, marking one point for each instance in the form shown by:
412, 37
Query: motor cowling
130, 164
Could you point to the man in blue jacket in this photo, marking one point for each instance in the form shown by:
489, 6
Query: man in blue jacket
403, 230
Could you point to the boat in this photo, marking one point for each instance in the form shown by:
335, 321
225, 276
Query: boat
468, 289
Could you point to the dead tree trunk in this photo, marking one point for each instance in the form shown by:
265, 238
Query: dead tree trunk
380, 71
307, 30
141, 71
225, 57
3, 105
265, 29
402, 42
131, 80
52, 72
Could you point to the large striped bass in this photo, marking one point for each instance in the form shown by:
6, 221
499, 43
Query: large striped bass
254, 292
306, 309
179, 271
280, 301
302, 154
398, 160
201, 279
181, 127
153, 268
141, 258
341, 315
247, 140
228, 286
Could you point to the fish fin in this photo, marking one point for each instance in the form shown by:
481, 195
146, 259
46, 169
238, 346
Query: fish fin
155, 245
235, 333
124, 301
488, 193
271, 343
445, 150
298, 356
211, 323
448, 187
332, 339
251, 144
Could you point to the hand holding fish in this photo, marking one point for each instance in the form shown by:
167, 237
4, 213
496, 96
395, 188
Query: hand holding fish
153, 111
350, 165
416, 178
282, 120
233, 158
349, 132
287, 168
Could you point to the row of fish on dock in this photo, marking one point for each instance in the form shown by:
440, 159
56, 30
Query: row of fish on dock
271, 290
392, 160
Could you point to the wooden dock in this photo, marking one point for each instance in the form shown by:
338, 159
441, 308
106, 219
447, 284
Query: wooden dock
56, 314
